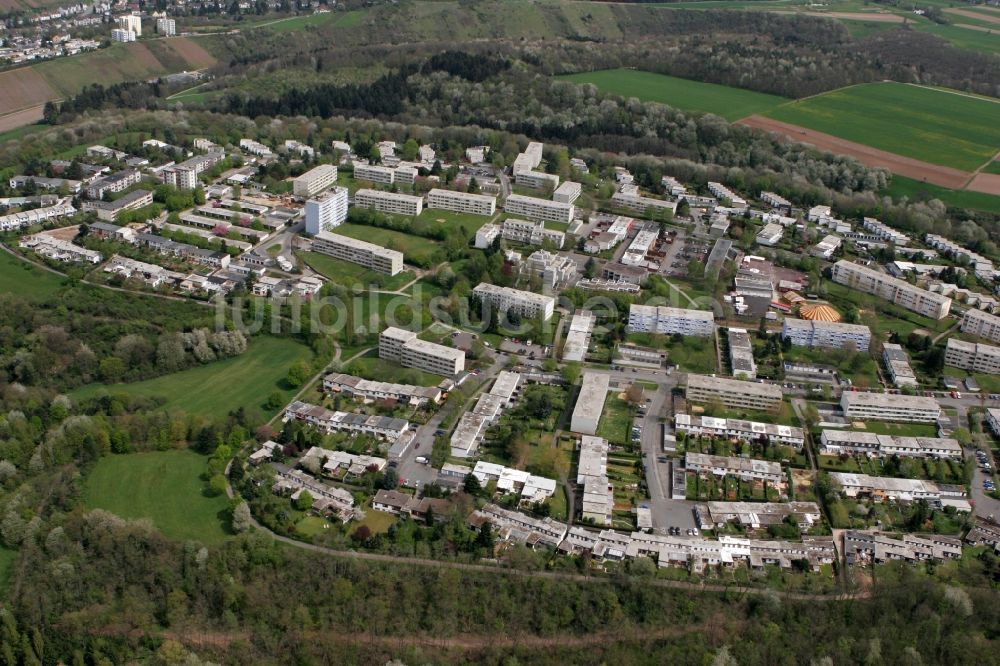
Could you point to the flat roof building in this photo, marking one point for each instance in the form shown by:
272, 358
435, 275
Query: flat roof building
828, 334
747, 431
971, 356
897, 362
526, 304
462, 202
983, 324
590, 403
314, 181
733, 393
534, 208
835, 442
578, 338
755, 515
862, 548
890, 407
405, 348
374, 173
568, 192
592, 475
473, 424
389, 202
882, 488
369, 255
368, 389
327, 211
892, 289
531, 233
741, 354
747, 469
668, 321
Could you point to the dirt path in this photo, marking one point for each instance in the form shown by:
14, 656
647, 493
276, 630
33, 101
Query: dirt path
966, 13
880, 17
904, 166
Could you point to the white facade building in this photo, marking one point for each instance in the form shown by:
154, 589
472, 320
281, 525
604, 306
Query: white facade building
534, 208
462, 202
326, 212
829, 334
892, 289
315, 180
526, 304
369, 255
667, 320
389, 202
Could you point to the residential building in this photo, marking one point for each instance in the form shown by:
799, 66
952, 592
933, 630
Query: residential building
529, 487
993, 420
256, 148
426, 154
884, 232
314, 181
578, 337
369, 255
890, 407
150, 274
630, 198
897, 362
592, 476
327, 211
635, 253
757, 515
826, 247
370, 390
131, 22
405, 348
26, 218
536, 179
746, 431
828, 334
568, 192
666, 320
531, 233
982, 266
746, 469
892, 289
476, 154
776, 201
982, 324
732, 393
770, 235
486, 235
41, 182
374, 173
166, 27
109, 210
122, 35
526, 304
327, 499
590, 403
862, 548
58, 249
552, 269
116, 182
723, 192
972, 356
389, 202
473, 425
741, 354
184, 176
462, 202
112, 232
537, 209
885, 488
517, 526
617, 272
327, 421
853, 442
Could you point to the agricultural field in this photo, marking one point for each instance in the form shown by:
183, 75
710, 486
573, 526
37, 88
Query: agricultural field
919, 191
730, 103
19, 277
165, 487
928, 124
215, 389
415, 249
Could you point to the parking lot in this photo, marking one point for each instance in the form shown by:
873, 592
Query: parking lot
523, 348
681, 252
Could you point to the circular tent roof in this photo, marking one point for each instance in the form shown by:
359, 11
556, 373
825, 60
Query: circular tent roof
819, 313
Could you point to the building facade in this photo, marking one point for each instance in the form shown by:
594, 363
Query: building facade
892, 289
369, 255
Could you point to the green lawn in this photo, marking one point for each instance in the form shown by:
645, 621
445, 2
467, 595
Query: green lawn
616, 420
166, 487
730, 103
919, 191
350, 275
371, 366
453, 222
19, 277
414, 248
930, 124
215, 389
899, 429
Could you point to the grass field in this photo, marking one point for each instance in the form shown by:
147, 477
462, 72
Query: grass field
222, 386
348, 275
933, 125
414, 248
452, 221
166, 487
730, 103
372, 367
616, 420
916, 190
23, 279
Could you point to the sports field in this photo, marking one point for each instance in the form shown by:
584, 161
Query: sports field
415, 249
165, 487
215, 389
929, 124
730, 103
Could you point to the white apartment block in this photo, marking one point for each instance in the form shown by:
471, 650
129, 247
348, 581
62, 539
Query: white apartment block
889, 407
747, 431
314, 181
527, 304
462, 202
897, 362
476, 154
536, 179
667, 320
993, 419
326, 212
826, 247
374, 173
531, 233
723, 192
552, 269
775, 200
568, 192
982, 324
982, 266
733, 393
832, 335
592, 476
539, 209
122, 35
892, 289
406, 173
369, 255
578, 337
130, 22
389, 202
741, 354
973, 357
770, 235
426, 154
486, 235
473, 424
405, 348
255, 148
746, 469
626, 198
852, 442
590, 403
884, 232
116, 182
184, 176
166, 27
